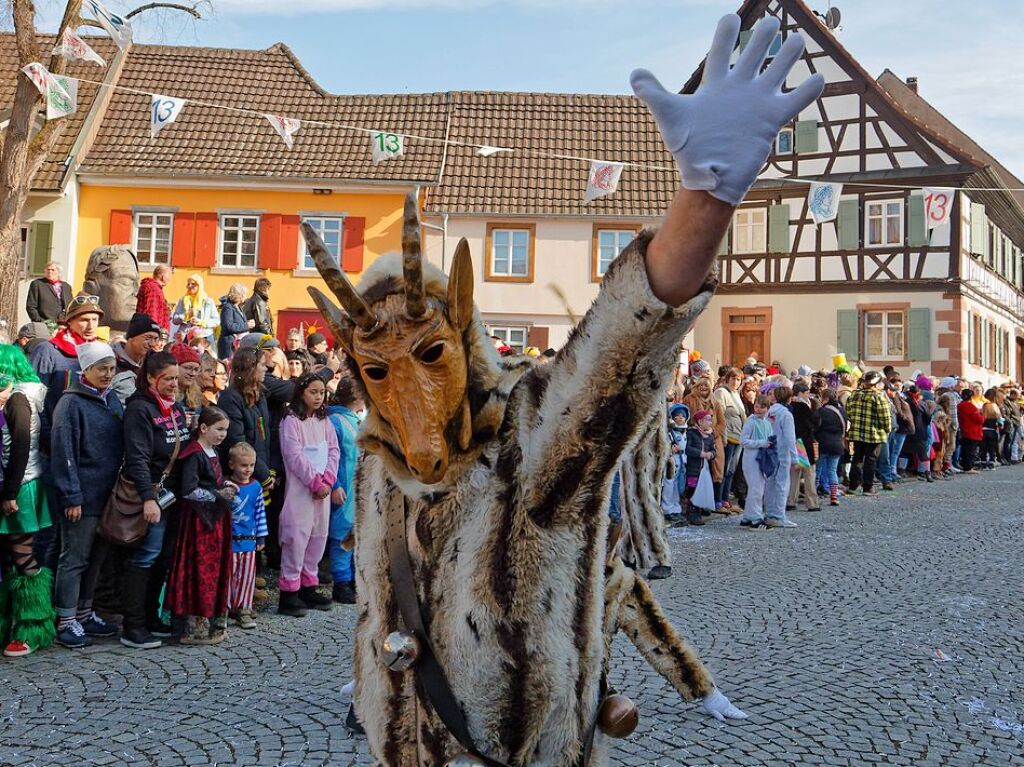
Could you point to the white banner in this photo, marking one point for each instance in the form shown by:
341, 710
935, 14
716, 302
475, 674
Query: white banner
163, 111
39, 76
823, 201
74, 48
286, 127
937, 205
61, 97
387, 146
602, 180
490, 151
117, 27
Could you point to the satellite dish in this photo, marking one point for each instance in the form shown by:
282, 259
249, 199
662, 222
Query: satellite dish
833, 17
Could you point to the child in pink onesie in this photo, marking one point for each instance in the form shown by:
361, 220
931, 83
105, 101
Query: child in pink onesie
310, 449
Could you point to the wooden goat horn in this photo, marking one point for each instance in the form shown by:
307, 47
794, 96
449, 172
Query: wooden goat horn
351, 301
412, 258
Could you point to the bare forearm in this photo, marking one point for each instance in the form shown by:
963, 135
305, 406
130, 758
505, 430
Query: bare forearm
682, 252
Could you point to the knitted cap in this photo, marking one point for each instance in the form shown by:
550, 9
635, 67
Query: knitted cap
184, 354
949, 382
139, 324
93, 352
314, 339
701, 414
32, 330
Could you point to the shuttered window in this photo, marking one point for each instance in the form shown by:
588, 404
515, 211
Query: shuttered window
778, 228
750, 230
153, 236
883, 223
848, 225
848, 334
884, 335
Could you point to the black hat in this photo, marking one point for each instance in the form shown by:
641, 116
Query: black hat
141, 323
314, 339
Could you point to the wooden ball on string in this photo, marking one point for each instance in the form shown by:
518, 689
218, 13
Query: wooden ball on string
400, 651
618, 716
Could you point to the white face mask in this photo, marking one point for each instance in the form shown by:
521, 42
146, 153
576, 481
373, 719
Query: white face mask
361, 414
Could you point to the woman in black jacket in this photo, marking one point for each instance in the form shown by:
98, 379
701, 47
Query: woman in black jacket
154, 424
830, 435
233, 324
919, 443
245, 404
805, 422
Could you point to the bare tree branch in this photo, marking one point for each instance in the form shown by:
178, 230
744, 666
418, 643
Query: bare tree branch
191, 9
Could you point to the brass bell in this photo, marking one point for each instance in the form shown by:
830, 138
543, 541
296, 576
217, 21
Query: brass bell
466, 760
618, 716
400, 651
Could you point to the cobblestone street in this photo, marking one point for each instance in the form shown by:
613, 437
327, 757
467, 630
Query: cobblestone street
887, 632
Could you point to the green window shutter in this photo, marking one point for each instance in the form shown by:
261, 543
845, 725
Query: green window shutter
40, 238
919, 322
848, 334
848, 225
917, 235
745, 38
979, 229
806, 136
778, 228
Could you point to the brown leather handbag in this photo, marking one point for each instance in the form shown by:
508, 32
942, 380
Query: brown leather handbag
122, 523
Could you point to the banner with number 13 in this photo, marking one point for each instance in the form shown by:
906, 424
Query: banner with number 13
165, 110
387, 146
937, 205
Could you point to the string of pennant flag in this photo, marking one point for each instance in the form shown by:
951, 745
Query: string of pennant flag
60, 93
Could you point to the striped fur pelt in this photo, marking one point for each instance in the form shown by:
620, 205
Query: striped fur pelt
508, 552
630, 607
644, 539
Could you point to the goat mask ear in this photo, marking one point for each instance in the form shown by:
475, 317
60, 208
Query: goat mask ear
460, 287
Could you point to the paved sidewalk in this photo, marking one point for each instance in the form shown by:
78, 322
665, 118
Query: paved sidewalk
888, 632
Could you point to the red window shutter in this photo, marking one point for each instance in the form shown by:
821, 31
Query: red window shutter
270, 241
352, 252
184, 239
289, 256
120, 227
206, 240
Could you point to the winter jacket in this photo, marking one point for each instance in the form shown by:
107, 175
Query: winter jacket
949, 401
86, 447
922, 435
258, 310
247, 423
21, 458
868, 411
346, 427
805, 423
904, 417
697, 443
831, 429
232, 324
149, 438
42, 303
735, 413
971, 420
152, 301
785, 435
205, 319
127, 374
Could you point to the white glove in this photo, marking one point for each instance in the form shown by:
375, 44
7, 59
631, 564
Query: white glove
347, 690
716, 704
722, 134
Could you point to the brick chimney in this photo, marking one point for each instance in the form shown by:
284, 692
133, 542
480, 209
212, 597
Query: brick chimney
912, 84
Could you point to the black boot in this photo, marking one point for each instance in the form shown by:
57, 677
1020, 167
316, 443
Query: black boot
658, 572
344, 593
133, 596
154, 586
311, 598
352, 723
694, 517
290, 604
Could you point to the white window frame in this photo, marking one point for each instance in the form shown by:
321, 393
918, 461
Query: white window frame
884, 217
222, 230
153, 225
509, 272
505, 332
791, 132
622, 238
744, 218
317, 221
887, 324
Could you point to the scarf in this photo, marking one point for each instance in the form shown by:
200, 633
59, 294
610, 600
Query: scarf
165, 405
67, 341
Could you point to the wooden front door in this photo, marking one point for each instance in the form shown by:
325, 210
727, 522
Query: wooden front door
745, 342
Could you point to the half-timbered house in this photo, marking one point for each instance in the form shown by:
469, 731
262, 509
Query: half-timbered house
876, 283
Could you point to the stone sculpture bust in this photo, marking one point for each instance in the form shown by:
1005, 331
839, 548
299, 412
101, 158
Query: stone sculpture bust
113, 274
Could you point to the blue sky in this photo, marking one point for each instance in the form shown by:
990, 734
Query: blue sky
964, 53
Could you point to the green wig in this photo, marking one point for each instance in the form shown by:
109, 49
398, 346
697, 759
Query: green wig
15, 367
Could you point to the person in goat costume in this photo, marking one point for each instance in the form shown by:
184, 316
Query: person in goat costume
482, 497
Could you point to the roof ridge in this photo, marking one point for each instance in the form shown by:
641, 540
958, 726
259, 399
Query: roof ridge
287, 52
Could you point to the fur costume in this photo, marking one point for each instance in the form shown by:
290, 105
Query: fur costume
644, 539
27, 606
508, 551
630, 607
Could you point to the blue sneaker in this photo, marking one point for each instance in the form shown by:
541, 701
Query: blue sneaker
95, 626
73, 636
